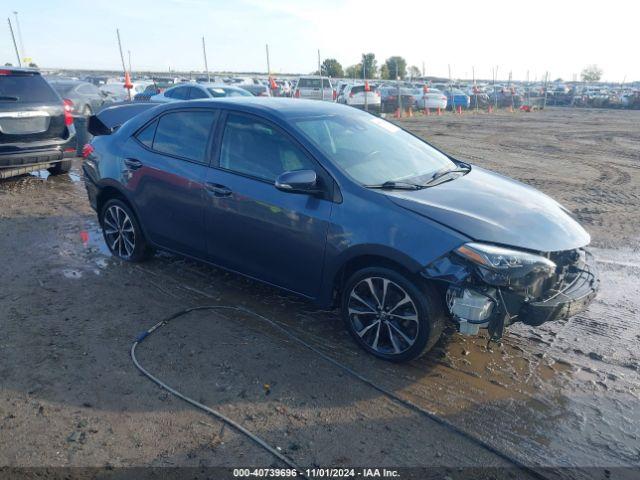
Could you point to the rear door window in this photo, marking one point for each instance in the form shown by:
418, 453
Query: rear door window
197, 93
26, 88
255, 148
179, 93
185, 134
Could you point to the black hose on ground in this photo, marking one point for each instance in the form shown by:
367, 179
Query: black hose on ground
406, 403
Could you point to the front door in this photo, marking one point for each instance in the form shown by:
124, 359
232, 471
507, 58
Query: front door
254, 228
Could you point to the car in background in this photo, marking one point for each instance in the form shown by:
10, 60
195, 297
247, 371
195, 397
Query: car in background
36, 126
342, 208
432, 98
356, 96
84, 98
389, 98
456, 98
118, 93
505, 98
257, 90
315, 88
195, 91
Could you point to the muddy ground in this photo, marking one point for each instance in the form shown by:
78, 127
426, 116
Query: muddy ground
563, 395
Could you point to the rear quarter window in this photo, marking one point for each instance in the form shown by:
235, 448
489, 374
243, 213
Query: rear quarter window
26, 88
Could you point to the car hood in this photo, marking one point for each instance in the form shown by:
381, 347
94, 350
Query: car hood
489, 207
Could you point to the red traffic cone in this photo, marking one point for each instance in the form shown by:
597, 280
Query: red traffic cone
397, 114
459, 109
127, 81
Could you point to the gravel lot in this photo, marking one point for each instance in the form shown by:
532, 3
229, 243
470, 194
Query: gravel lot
563, 395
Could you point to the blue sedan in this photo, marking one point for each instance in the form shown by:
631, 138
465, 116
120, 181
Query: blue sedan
341, 207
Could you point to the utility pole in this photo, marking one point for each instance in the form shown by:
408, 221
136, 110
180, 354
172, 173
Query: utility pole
23, 52
268, 60
129, 55
423, 74
320, 73
15, 45
206, 65
364, 77
124, 68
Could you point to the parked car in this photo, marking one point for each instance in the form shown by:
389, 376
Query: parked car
36, 126
505, 98
432, 98
355, 96
195, 91
456, 98
389, 98
286, 191
118, 93
257, 90
315, 88
84, 97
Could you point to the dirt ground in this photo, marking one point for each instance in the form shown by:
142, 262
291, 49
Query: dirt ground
566, 394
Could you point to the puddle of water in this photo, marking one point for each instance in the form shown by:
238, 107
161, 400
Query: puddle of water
71, 273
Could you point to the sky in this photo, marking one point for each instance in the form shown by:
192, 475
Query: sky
559, 37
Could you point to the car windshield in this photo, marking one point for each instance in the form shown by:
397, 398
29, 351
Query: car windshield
371, 150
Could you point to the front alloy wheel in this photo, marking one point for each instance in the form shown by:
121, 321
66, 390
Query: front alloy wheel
389, 316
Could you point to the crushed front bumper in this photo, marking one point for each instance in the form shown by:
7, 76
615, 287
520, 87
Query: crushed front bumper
474, 303
572, 299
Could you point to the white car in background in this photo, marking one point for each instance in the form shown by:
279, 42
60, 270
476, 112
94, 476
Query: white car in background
356, 96
195, 91
433, 98
315, 88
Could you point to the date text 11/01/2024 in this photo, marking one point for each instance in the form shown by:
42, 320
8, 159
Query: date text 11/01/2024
316, 472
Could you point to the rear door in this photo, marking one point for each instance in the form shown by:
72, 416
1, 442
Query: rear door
31, 112
252, 227
165, 171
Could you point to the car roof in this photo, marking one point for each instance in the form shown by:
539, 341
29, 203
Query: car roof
281, 107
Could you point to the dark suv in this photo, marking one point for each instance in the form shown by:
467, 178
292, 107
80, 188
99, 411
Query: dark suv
36, 126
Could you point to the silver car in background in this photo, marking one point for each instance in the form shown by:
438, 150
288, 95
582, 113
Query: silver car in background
315, 88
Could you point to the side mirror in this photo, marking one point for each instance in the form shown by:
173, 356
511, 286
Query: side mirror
298, 181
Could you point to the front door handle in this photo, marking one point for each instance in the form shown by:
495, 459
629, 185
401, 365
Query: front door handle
217, 189
132, 163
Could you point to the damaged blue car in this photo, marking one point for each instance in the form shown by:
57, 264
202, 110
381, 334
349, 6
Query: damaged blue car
341, 207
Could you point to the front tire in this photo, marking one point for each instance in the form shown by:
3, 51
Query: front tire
391, 316
122, 232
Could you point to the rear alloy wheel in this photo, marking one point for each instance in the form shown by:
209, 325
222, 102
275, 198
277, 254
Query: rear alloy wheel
389, 316
122, 232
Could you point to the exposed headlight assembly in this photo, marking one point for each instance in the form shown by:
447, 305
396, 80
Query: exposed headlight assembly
506, 267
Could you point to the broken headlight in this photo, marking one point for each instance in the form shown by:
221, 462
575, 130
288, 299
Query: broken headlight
501, 266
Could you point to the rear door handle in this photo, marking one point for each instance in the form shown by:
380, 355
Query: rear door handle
132, 163
217, 189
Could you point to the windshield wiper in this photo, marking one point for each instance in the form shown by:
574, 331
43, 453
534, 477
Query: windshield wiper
392, 185
7, 98
442, 175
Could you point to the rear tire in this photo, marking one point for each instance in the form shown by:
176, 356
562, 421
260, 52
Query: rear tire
122, 232
391, 316
61, 167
